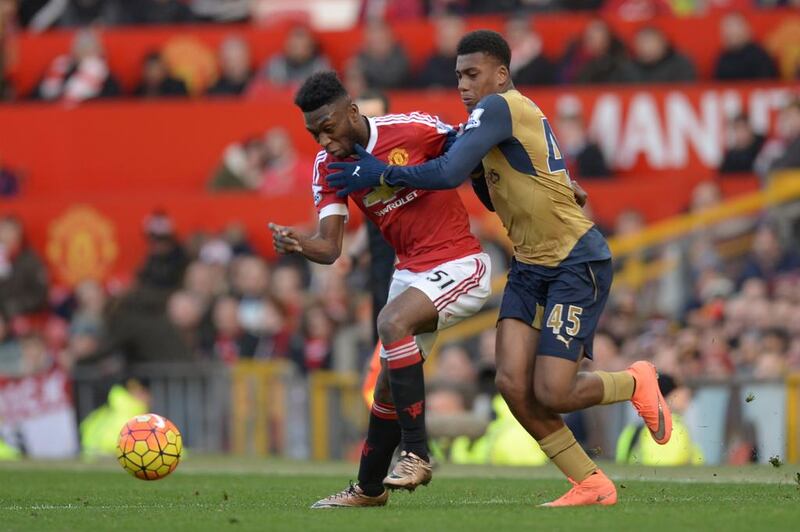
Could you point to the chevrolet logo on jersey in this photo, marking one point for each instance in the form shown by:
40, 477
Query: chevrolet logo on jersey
380, 194
385, 193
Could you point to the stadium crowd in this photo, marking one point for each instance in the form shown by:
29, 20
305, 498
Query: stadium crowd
213, 297
596, 56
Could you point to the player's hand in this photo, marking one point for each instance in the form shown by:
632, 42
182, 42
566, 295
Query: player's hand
364, 173
581, 196
285, 240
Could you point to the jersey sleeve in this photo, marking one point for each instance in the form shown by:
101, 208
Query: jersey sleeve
489, 124
325, 199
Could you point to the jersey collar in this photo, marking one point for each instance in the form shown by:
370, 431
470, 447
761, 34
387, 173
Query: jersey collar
373, 134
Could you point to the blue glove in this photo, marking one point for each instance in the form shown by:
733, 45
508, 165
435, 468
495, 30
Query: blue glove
366, 172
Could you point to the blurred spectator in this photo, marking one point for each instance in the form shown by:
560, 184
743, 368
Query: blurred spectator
373, 103
286, 171
270, 165
313, 348
300, 58
480, 6
354, 79
455, 366
235, 234
140, 330
8, 16
87, 327
82, 75
768, 258
439, 68
23, 276
529, 66
631, 10
446, 398
166, 260
259, 315
629, 222
231, 341
250, 278
206, 277
583, 156
242, 167
157, 80
234, 62
9, 181
220, 10
382, 59
743, 146
597, 57
10, 353
185, 312
580, 5
155, 12
657, 61
741, 57
636, 445
391, 10
789, 125
100, 429
705, 195
287, 283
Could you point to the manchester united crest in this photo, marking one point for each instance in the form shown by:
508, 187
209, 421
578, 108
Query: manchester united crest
398, 157
81, 244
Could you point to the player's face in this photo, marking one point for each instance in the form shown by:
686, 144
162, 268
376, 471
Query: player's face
479, 75
333, 127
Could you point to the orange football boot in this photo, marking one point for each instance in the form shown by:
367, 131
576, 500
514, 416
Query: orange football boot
597, 488
649, 402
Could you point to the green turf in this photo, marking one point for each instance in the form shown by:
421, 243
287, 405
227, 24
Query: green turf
236, 494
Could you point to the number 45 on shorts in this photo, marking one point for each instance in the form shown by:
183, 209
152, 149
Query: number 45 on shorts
556, 322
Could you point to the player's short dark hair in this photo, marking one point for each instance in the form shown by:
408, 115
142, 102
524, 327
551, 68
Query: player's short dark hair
319, 89
486, 41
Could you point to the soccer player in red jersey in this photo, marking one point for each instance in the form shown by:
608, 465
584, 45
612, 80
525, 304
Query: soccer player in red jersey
441, 277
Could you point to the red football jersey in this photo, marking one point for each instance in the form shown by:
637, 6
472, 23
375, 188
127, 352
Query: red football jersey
425, 227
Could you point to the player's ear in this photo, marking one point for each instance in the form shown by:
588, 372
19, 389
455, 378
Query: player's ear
353, 113
503, 75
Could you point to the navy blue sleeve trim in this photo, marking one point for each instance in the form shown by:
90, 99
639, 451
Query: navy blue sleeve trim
489, 124
481, 188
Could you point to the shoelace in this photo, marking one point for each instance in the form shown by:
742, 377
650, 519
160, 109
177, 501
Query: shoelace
407, 464
351, 490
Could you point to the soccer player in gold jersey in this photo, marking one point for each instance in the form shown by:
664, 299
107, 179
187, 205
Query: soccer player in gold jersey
561, 273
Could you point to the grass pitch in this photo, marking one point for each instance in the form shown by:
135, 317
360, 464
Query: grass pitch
227, 494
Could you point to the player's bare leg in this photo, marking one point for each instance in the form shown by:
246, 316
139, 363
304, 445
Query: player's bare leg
383, 437
562, 388
517, 371
409, 314
515, 348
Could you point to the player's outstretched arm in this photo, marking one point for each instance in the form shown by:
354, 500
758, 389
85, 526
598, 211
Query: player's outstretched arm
488, 125
324, 247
